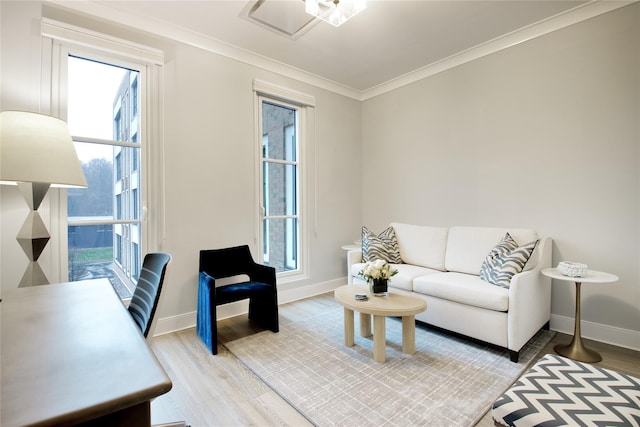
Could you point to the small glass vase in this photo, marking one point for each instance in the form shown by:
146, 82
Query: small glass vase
378, 287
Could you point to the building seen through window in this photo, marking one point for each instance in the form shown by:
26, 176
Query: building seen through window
280, 177
105, 219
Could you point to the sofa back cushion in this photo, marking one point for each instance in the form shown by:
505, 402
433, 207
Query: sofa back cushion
467, 247
422, 245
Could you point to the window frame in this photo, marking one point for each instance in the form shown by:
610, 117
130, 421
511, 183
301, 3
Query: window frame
61, 40
295, 196
305, 120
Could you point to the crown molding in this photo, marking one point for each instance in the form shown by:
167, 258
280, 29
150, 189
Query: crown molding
104, 11
573, 16
183, 35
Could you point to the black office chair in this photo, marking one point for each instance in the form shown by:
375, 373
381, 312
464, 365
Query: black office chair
147, 293
260, 289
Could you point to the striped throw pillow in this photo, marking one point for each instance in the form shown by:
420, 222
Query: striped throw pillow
384, 246
512, 264
493, 261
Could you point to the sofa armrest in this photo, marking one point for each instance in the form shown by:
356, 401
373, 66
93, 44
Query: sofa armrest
530, 300
353, 257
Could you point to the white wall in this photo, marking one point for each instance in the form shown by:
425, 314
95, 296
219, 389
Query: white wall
210, 168
544, 135
209, 151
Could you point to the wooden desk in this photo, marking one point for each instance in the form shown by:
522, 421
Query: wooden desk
71, 354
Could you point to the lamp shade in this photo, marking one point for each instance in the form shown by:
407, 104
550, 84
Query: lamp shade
38, 148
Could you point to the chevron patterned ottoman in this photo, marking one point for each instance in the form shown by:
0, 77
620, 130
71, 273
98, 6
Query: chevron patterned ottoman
558, 391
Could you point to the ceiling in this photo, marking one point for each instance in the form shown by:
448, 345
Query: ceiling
388, 40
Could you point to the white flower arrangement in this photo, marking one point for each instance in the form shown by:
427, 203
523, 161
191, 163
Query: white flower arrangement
377, 269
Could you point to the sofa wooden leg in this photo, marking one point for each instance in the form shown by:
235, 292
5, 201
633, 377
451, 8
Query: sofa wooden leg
514, 356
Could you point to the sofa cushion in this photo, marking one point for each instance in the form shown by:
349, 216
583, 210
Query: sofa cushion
495, 257
511, 264
421, 245
383, 246
463, 288
404, 278
467, 247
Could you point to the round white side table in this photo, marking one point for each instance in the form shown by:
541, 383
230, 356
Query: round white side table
575, 349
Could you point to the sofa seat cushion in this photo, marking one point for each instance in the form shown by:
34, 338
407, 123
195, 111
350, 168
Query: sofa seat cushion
467, 289
404, 278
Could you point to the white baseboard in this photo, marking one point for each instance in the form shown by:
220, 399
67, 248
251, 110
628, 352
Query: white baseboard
596, 331
310, 290
166, 325
170, 324
620, 337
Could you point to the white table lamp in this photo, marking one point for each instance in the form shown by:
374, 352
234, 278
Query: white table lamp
36, 152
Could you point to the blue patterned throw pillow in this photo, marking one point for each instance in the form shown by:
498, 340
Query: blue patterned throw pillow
384, 246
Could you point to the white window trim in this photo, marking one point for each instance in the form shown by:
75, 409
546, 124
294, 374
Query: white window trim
282, 93
285, 95
60, 39
82, 37
264, 240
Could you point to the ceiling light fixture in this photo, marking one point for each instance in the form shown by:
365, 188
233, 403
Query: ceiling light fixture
335, 12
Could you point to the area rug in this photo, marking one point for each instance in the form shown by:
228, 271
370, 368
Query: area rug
449, 381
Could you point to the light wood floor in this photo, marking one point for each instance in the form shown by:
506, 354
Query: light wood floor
219, 391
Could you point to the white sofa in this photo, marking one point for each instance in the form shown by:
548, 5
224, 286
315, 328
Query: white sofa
442, 266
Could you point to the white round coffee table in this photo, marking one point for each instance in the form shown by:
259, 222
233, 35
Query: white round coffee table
575, 349
393, 304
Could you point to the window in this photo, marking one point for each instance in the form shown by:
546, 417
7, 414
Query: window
265, 202
98, 96
134, 95
280, 176
107, 89
284, 133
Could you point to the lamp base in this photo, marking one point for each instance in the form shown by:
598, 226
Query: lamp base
33, 236
33, 276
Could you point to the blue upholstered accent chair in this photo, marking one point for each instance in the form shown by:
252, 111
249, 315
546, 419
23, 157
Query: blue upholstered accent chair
147, 293
260, 289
